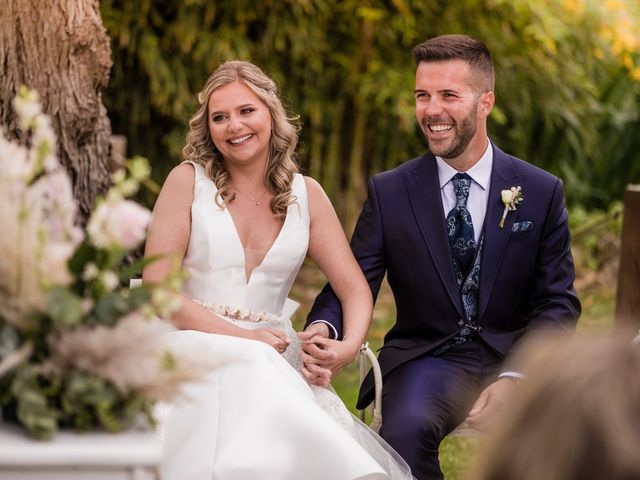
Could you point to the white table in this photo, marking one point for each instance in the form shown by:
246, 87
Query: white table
131, 455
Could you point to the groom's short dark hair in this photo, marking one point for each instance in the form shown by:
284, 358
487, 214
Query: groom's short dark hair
459, 47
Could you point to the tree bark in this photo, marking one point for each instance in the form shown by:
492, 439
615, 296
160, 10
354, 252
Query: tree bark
61, 49
627, 298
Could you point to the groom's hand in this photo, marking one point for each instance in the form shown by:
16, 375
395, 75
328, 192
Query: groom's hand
342, 352
319, 328
490, 403
314, 356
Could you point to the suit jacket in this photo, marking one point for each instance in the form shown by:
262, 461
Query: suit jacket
526, 277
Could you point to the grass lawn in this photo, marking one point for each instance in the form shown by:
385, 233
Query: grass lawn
456, 454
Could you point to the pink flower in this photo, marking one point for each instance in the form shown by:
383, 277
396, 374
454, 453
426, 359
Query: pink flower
121, 225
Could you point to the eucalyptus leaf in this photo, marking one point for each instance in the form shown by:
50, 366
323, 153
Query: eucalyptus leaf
64, 307
110, 308
33, 410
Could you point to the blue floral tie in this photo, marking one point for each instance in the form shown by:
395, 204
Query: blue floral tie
459, 225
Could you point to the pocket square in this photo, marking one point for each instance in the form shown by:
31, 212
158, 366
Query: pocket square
522, 226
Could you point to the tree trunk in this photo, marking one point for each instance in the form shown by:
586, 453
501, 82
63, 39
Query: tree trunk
61, 49
627, 301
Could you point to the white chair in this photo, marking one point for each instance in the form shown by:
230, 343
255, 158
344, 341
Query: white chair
367, 355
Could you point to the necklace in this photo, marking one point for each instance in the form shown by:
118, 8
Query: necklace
257, 201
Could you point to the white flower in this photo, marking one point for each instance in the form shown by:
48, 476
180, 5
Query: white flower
90, 272
122, 224
511, 198
27, 107
140, 169
36, 214
130, 354
109, 280
44, 144
118, 176
55, 257
129, 187
507, 196
14, 161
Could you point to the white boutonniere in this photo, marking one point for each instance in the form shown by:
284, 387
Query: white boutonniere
511, 198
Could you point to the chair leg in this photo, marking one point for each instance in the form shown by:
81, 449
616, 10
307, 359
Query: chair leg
366, 354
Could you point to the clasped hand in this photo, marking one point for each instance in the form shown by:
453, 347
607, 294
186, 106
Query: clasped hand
271, 336
322, 357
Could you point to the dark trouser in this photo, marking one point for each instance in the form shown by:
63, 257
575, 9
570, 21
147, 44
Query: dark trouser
426, 398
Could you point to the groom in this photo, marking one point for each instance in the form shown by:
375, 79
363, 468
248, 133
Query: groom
472, 267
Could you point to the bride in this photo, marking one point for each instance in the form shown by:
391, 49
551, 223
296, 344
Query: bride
241, 220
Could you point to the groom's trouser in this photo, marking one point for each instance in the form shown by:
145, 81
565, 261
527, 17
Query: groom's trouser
426, 398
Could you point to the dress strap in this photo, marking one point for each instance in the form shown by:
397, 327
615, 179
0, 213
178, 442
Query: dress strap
299, 190
200, 172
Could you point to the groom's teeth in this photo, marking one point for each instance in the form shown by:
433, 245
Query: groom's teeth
440, 127
241, 139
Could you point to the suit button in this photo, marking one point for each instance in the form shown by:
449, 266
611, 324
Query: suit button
460, 322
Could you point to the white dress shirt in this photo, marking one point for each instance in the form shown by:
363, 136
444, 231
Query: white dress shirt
480, 175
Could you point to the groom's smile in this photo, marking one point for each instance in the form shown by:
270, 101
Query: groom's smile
439, 127
447, 107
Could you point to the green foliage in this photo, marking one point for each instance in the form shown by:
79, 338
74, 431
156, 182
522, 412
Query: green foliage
64, 308
566, 95
42, 401
30, 395
42, 392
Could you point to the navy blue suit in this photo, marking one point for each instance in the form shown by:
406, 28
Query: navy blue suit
526, 278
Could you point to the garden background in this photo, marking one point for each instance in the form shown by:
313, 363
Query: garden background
567, 100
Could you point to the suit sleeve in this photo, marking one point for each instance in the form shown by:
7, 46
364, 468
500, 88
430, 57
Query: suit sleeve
554, 304
367, 245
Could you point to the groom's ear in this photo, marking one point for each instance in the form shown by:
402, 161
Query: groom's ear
487, 99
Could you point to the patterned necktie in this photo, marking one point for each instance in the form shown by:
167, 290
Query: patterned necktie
459, 225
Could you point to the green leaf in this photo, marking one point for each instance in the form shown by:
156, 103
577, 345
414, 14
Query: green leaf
108, 417
33, 409
64, 307
110, 308
84, 254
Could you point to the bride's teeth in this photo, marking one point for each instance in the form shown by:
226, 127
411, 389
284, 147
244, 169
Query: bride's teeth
241, 139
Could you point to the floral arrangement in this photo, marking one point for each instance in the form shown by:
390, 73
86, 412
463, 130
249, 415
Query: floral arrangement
511, 198
78, 347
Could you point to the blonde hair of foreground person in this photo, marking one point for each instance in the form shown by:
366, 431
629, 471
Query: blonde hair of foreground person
576, 417
281, 164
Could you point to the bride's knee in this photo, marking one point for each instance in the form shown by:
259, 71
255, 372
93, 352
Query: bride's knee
258, 350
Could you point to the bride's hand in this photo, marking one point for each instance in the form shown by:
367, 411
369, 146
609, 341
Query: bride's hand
313, 373
271, 336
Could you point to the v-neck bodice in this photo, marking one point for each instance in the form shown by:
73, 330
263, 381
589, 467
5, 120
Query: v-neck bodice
215, 258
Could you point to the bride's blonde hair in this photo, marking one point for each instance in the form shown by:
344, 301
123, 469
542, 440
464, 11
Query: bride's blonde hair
281, 164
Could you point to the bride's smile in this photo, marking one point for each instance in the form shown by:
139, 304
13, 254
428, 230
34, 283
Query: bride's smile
239, 124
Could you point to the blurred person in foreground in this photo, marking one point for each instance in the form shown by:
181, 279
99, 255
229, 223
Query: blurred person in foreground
476, 247
577, 417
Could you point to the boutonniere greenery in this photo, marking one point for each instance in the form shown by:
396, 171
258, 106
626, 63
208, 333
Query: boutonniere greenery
511, 198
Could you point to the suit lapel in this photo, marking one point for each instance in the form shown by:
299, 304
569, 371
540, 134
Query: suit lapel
504, 175
423, 186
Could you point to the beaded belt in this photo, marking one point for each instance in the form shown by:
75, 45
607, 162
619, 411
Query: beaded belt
239, 313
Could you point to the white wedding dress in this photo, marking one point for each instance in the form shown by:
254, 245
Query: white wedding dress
254, 417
